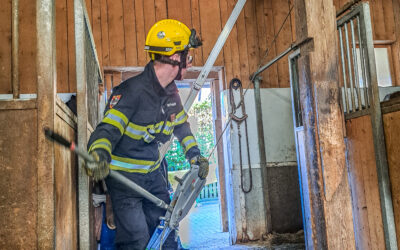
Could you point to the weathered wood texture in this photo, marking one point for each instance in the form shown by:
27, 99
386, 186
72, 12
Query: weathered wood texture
65, 173
18, 171
364, 184
120, 27
123, 33
385, 19
217, 85
46, 84
391, 123
330, 198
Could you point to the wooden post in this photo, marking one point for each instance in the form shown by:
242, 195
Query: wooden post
330, 200
82, 112
217, 88
46, 80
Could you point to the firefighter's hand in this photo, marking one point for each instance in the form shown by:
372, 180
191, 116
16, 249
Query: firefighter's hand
99, 168
202, 162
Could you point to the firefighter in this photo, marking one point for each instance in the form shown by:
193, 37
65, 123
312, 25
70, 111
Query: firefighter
143, 112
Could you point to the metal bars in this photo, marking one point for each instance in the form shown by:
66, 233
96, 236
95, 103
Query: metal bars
368, 103
353, 83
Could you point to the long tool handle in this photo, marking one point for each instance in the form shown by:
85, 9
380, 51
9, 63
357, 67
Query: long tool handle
198, 84
51, 135
123, 180
214, 54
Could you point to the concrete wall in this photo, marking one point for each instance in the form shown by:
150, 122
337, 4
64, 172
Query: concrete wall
277, 186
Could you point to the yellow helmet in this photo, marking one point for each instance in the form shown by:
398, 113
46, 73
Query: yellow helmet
169, 36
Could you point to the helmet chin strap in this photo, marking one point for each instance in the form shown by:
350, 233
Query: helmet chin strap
182, 64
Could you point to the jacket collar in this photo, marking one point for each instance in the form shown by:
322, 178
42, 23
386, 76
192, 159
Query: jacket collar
151, 75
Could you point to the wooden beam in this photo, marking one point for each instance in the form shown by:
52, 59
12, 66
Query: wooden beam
46, 77
85, 227
18, 104
331, 228
217, 88
5, 48
27, 47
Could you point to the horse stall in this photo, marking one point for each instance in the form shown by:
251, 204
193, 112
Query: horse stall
366, 154
42, 187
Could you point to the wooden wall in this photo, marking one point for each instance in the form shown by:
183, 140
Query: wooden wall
65, 178
363, 179
27, 47
18, 185
120, 26
391, 123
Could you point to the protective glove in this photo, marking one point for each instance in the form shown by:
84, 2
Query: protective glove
99, 168
202, 162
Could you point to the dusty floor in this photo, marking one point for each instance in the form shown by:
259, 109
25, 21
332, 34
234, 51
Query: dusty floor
203, 231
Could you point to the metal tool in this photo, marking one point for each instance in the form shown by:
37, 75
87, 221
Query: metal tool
188, 189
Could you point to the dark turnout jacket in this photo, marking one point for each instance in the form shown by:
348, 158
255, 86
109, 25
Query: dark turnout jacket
139, 115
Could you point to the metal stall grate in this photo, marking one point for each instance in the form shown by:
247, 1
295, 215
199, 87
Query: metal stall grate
355, 74
360, 96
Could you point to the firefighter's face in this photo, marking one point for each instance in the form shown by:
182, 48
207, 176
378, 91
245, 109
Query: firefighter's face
189, 61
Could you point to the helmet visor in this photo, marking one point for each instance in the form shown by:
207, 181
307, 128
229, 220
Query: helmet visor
194, 41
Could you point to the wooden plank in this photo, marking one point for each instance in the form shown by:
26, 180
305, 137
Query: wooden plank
96, 29
116, 79
378, 21
388, 15
89, 9
210, 22
283, 40
149, 20
181, 11
46, 66
140, 32
227, 49
271, 74
130, 33
84, 198
116, 31
332, 228
104, 33
233, 38
217, 89
391, 122
364, 182
88, 4
252, 39
27, 47
17, 104
262, 40
71, 48
65, 189
5, 48
161, 9
242, 47
62, 46
198, 59
396, 45
19, 185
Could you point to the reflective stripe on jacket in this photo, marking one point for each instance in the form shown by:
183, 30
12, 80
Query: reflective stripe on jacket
140, 115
